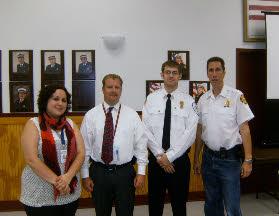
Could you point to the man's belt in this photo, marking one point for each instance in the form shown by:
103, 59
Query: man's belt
224, 153
111, 167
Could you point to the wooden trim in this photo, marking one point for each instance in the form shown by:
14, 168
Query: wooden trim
31, 114
87, 202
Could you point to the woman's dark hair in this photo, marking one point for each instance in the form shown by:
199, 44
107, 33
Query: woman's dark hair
46, 93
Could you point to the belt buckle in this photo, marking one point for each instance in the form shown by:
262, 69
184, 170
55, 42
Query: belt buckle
223, 153
112, 168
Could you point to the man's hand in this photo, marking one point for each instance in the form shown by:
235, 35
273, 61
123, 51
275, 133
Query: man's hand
88, 184
246, 169
164, 162
139, 181
197, 168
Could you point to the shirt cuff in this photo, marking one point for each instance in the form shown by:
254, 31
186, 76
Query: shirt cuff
170, 156
141, 169
84, 172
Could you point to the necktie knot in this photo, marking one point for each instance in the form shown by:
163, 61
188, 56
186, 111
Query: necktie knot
110, 109
168, 96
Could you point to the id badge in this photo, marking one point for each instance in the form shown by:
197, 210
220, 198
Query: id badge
63, 156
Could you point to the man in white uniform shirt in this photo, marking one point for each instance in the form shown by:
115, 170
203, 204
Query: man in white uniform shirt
111, 175
171, 122
223, 128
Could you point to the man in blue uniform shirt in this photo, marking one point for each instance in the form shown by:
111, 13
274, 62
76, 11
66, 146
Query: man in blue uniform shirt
22, 66
85, 66
53, 67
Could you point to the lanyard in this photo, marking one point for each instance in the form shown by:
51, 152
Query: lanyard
62, 137
116, 124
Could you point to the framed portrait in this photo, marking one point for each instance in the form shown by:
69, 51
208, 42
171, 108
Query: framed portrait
52, 65
198, 88
21, 97
83, 67
21, 65
49, 82
254, 18
83, 95
183, 59
0, 97
0, 65
153, 85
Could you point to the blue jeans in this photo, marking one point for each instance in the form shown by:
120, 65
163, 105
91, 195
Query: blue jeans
221, 178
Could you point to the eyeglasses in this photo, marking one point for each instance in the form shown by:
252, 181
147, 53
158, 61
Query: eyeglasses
173, 73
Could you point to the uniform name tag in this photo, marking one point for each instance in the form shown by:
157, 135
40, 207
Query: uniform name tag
63, 156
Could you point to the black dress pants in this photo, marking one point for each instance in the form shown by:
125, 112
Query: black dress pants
113, 185
56, 210
177, 185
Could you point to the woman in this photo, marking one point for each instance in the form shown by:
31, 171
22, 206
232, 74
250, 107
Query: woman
54, 152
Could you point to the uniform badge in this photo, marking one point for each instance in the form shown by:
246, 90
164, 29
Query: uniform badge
242, 99
181, 104
227, 103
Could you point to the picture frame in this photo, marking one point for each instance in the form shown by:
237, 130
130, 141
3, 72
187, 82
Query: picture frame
183, 59
83, 65
0, 65
83, 95
21, 65
254, 18
21, 97
52, 65
49, 82
1, 97
153, 85
198, 88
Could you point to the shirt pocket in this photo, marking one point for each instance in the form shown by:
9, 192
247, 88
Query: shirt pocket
156, 119
179, 120
227, 116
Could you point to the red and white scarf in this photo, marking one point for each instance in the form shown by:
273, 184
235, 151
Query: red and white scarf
49, 148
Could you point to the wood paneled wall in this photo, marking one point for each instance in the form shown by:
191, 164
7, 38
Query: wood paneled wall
12, 161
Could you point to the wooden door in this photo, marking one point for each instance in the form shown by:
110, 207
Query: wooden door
251, 80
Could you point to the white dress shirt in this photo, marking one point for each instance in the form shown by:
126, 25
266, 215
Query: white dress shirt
129, 140
184, 121
221, 117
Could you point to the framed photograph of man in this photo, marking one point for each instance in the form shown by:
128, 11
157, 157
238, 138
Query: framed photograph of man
198, 88
0, 65
0, 97
83, 67
153, 85
83, 95
21, 65
21, 97
52, 65
183, 59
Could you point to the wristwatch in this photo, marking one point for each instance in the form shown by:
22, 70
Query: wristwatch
250, 160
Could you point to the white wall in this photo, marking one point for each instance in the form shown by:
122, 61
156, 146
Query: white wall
151, 27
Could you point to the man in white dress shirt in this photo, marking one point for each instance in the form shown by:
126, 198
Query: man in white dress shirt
111, 175
223, 128
171, 122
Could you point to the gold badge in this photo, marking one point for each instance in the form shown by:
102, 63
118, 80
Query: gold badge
243, 100
227, 103
181, 103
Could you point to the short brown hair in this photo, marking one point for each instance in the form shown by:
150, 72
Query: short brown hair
170, 63
216, 59
112, 76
